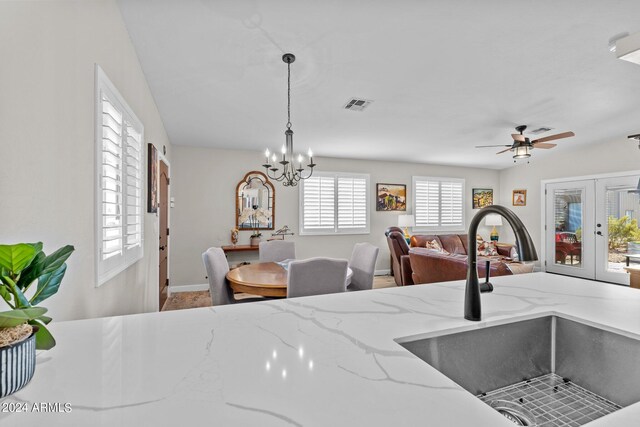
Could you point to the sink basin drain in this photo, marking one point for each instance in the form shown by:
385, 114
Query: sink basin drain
514, 412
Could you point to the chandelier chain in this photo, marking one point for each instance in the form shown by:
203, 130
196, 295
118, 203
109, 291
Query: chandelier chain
288, 95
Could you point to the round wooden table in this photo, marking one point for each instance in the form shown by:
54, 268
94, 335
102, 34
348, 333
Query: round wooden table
267, 279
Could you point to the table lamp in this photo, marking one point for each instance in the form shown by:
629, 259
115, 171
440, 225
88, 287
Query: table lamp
494, 221
405, 221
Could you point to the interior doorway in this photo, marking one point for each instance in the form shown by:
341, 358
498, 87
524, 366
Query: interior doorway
163, 212
591, 227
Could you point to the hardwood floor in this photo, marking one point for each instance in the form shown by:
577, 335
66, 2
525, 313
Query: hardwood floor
182, 300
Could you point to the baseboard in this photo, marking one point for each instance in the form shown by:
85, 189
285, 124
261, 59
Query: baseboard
385, 272
188, 288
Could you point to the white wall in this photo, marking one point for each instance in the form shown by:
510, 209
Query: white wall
48, 51
204, 180
616, 155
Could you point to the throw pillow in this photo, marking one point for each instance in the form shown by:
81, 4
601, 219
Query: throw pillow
434, 245
487, 249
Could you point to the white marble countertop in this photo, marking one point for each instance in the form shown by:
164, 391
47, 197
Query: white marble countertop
318, 361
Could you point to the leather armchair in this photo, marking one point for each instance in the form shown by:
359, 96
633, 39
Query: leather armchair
400, 262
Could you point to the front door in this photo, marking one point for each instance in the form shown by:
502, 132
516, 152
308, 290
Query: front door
163, 211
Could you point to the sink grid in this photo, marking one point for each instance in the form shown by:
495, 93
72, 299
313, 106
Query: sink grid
554, 401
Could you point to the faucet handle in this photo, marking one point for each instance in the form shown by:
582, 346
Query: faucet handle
486, 286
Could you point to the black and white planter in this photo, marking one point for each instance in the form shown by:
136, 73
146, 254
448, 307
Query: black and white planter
17, 364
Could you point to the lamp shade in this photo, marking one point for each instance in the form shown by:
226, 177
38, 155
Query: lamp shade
406, 221
493, 220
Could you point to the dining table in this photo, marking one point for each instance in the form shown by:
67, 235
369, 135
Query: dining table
267, 279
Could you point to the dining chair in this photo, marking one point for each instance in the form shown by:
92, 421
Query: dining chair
316, 276
215, 262
276, 251
363, 264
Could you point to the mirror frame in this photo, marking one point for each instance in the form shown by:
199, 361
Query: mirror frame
250, 176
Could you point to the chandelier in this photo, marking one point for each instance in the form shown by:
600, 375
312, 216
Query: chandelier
292, 166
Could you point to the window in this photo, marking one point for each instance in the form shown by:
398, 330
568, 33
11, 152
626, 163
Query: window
119, 156
334, 203
438, 204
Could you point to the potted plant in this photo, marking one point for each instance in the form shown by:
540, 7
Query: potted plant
255, 216
255, 238
27, 277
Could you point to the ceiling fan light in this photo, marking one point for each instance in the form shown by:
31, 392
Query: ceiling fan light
522, 152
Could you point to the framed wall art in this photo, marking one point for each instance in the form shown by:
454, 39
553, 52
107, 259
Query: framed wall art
482, 197
519, 198
152, 179
391, 197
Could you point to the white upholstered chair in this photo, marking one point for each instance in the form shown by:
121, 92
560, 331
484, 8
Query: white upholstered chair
215, 262
277, 250
363, 265
316, 276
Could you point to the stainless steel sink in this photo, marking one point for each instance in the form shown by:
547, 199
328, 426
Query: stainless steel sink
550, 350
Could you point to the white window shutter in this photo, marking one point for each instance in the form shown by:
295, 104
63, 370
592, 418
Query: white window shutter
352, 203
318, 203
438, 203
134, 203
119, 182
334, 203
111, 183
451, 200
427, 203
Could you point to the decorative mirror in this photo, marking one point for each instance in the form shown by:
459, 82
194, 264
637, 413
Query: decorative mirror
255, 202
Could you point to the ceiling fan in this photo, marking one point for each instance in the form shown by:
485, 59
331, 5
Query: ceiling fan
522, 145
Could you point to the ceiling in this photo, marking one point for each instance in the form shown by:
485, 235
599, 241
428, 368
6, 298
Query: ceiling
444, 75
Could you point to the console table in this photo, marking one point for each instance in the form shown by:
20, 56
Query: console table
238, 260
239, 248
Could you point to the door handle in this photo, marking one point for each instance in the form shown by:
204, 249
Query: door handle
599, 233
598, 225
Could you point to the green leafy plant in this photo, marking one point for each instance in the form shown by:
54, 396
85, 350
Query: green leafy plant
21, 266
622, 231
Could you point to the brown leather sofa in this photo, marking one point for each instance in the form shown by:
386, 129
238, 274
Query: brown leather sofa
399, 250
429, 266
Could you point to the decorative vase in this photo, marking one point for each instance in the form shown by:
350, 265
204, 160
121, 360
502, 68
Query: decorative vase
255, 241
17, 364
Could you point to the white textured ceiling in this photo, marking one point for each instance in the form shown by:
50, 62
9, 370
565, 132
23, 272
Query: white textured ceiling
444, 75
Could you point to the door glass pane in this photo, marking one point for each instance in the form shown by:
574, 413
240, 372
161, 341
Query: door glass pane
623, 212
568, 204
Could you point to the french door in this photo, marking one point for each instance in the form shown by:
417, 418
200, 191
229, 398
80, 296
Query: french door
569, 228
592, 227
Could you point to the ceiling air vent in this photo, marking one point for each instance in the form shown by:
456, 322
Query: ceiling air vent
356, 104
540, 130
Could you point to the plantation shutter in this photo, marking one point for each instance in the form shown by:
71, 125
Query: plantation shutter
427, 203
438, 203
334, 203
133, 226
319, 203
111, 183
119, 192
352, 203
451, 204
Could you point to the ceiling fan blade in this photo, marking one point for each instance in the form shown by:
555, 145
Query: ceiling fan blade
544, 145
504, 151
552, 137
518, 137
485, 146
